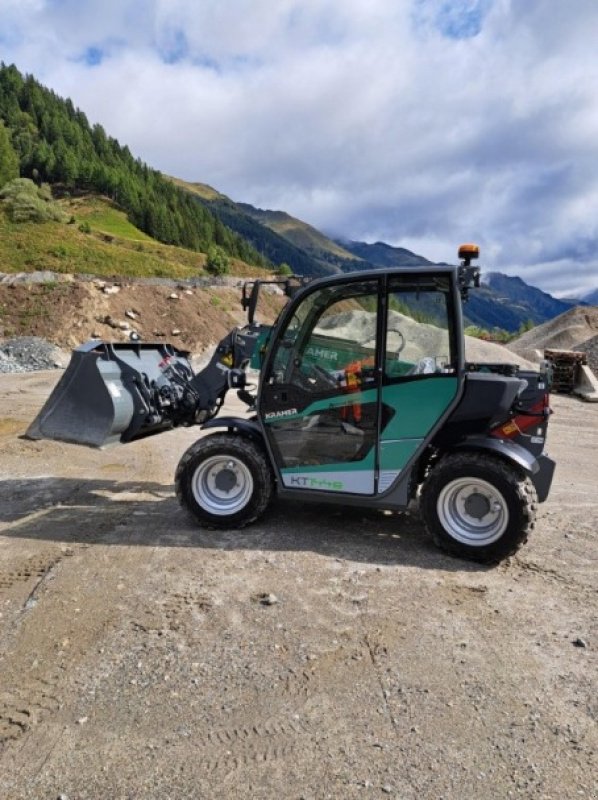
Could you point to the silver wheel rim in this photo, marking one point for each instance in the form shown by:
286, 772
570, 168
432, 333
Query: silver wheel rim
222, 485
472, 511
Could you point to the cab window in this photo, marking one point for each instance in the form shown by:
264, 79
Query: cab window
419, 337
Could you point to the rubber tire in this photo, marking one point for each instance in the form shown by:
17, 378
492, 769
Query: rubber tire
242, 448
513, 484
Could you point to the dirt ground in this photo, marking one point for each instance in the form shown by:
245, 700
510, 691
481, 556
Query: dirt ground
68, 312
138, 661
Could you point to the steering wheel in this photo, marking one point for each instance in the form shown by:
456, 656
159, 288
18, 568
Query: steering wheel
371, 340
399, 333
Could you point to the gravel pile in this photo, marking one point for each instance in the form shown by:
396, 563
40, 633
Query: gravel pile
564, 332
30, 353
590, 348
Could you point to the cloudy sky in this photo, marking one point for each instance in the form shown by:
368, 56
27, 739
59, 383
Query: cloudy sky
421, 123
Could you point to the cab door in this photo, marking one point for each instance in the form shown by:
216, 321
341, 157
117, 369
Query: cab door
319, 399
421, 366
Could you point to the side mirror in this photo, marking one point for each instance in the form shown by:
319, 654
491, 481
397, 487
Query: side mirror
249, 302
252, 304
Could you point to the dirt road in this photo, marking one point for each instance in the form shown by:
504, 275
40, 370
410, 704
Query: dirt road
137, 659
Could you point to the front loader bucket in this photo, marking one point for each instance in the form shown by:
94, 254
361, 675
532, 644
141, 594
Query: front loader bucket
105, 397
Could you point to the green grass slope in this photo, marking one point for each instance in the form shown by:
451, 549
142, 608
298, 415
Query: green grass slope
202, 190
99, 240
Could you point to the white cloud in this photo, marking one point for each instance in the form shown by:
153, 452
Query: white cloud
421, 123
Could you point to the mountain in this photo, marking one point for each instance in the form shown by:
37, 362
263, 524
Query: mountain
528, 299
278, 236
284, 238
244, 220
500, 302
384, 255
299, 233
324, 250
591, 298
512, 301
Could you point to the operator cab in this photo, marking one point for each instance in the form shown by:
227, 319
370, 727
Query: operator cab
360, 371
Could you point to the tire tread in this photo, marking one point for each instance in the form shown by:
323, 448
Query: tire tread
475, 463
241, 447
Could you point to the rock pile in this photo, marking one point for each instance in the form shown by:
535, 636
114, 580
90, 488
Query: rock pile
30, 353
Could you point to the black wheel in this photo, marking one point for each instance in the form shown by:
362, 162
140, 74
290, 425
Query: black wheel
224, 481
478, 507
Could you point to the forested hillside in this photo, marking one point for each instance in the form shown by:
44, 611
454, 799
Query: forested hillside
52, 141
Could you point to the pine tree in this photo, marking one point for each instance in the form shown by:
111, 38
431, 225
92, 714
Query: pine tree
9, 161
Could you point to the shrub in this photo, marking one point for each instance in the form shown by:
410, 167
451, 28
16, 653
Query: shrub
495, 335
59, 251
26, 202
218, 263
475, 330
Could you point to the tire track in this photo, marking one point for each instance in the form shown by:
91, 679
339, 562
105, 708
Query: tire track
26, 705
173, 613
227, 750
34, 567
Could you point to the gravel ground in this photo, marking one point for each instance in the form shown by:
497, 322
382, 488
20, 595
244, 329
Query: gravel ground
322, 653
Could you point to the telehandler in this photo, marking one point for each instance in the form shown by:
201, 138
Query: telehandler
364, 399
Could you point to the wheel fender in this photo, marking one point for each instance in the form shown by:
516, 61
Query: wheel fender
245, 427
508, 450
